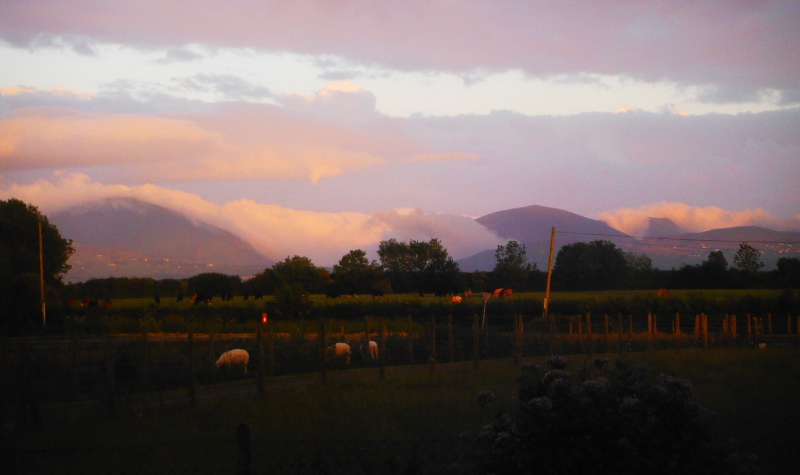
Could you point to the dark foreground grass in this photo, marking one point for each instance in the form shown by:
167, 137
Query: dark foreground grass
748, 389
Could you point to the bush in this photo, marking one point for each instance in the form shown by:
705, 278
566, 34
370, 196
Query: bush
608, 419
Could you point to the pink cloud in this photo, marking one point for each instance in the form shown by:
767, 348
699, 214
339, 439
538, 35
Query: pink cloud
634, 221
734, 48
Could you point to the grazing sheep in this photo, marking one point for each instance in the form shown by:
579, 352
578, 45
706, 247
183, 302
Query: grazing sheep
369, 354
339, 350
234, 357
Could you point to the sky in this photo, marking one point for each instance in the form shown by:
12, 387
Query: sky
317, 127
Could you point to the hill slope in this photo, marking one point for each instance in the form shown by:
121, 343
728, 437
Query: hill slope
128, 237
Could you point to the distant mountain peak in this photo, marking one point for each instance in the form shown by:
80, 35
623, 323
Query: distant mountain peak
155, 234
662, 227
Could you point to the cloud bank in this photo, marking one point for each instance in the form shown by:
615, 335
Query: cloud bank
691, 219
275, 231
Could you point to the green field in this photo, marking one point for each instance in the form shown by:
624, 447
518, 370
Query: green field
755, 394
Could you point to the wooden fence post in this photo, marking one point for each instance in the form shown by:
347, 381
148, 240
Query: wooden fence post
323, 360
243, 457
697, 328
212, 357
76, 381
110, 371
271, 342
515, 340
433, 344
630, 327
749, 327
192, 382
260, 363
705, 331
477, 340
366, 338
450, 342
769, 325
410, 340
382, 348
486, 346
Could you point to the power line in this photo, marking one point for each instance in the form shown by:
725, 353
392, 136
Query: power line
679, 239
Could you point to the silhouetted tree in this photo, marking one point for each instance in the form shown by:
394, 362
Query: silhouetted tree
597, 265
19, 260
747, 258
512, 268
355, 273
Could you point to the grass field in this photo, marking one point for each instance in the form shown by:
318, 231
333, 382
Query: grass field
756, 393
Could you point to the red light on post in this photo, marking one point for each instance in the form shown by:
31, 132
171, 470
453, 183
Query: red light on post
264, 318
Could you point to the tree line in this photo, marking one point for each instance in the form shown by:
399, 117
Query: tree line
422, 267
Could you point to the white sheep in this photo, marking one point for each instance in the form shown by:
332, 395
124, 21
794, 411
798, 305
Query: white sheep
339, 350
234, 357
369, 354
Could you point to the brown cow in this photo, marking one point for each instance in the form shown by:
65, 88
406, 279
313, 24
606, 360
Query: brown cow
497, 292
507, 292
455, 299
663, 293
467, 294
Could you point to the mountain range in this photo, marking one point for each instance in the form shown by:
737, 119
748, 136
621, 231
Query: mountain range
120, 237
664, 242
124, 237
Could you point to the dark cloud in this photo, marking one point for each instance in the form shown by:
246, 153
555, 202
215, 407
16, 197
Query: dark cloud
230, 86
179, 55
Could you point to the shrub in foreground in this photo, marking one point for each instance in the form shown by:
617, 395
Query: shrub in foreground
604, 419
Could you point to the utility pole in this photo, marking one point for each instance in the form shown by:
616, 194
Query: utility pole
549, 273
41, 275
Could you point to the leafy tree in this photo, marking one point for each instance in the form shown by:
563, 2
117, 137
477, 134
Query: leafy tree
747, 258
512, 268
292, 301
296, 278
597, 265
716, 262
262, 283
300, 270
640, 270
418, 266
19, 259
355, 273
789, 272
512, 254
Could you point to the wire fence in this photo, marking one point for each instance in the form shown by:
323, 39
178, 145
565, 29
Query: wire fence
111, 367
